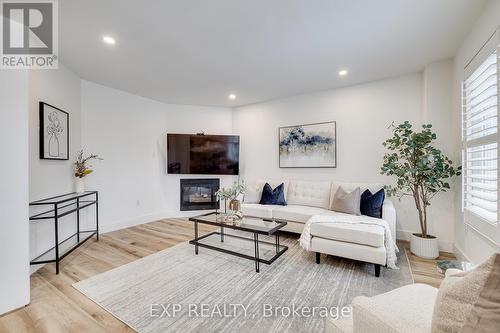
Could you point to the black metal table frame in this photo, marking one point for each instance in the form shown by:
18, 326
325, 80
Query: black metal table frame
280, 249
80, 204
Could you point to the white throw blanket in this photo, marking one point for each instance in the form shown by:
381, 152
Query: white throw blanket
390, 246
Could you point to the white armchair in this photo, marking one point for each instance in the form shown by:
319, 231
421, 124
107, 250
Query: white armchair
402, 310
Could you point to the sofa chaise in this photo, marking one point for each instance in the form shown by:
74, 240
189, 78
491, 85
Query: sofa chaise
305, 199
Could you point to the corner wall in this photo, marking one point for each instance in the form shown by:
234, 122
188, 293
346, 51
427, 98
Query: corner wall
14, 240
129, 132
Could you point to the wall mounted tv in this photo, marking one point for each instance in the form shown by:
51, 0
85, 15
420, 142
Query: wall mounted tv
203, 154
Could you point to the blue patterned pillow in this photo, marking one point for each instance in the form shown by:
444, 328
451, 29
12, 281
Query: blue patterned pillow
273, 197
371, 204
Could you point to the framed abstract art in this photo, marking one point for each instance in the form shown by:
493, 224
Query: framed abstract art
308, 146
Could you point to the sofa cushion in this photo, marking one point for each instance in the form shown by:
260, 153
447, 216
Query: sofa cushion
295, 227
258, 210
254, 190
373, 187
456, 298
371, 203
484, 317
376, 255
364, 234
252, 195
347, 202
309, 193
296, 213
272, 196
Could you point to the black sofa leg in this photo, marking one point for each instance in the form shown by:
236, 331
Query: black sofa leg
317, 257
377, 270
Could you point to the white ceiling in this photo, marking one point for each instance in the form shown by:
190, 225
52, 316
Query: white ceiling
199, 51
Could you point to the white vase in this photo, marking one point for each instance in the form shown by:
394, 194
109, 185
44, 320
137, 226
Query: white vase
426, 248
79, 185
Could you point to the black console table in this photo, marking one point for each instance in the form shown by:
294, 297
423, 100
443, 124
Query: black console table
63, 205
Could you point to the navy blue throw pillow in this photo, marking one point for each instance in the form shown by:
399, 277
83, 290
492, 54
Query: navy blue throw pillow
273, 197
371, 204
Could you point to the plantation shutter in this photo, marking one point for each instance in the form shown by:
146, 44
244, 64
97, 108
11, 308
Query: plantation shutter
480, 136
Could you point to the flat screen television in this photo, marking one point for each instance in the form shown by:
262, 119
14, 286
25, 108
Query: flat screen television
203, 154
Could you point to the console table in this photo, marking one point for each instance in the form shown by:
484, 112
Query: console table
60, 206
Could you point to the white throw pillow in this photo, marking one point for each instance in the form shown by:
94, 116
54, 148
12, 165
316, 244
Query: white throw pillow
251, 195
347, 202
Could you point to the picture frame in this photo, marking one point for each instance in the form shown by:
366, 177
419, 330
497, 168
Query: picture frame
308, 145
53, 132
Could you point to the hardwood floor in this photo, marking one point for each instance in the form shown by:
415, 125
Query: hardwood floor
57, 307
424, 270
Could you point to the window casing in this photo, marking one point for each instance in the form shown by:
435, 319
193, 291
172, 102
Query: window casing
480, 140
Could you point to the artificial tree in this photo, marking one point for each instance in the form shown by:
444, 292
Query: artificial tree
422, 171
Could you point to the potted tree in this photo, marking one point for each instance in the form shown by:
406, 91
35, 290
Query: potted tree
421, 172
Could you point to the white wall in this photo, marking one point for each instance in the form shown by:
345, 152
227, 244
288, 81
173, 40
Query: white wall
468, 243
60, 88
129, 132
437, 110
363, 114
14, 254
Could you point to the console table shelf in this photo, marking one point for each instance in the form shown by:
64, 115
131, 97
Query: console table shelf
64, 205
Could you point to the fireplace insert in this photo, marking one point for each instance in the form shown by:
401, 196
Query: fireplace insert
199, 194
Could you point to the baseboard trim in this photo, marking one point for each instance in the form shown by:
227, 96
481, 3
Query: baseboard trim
114, 226
5, 314
444, 246
460, 254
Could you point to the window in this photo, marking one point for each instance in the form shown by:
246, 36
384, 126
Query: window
480, 139
480, 126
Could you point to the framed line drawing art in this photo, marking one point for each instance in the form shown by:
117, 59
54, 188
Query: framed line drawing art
308, 146
54, 133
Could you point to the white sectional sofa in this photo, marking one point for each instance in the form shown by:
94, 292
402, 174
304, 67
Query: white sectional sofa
304, 199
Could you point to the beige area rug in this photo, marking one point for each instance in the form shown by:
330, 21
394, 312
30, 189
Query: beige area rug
175, 290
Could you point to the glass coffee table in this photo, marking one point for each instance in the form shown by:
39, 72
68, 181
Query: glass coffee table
226, 242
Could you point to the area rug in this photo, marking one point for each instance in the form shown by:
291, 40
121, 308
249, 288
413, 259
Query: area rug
175, 290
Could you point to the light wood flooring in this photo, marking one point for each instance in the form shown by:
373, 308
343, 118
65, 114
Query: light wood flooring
57, 307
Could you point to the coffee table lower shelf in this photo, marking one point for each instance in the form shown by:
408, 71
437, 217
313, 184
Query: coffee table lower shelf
280, 249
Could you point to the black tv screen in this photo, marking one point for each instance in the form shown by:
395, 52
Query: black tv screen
203, 154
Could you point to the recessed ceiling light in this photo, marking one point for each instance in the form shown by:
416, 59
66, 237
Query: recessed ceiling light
232, 96
108, 40
343, 72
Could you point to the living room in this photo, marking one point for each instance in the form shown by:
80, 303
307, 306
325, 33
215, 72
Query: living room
233, 165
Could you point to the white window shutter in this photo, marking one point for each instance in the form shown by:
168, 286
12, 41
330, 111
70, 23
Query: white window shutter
480, 134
